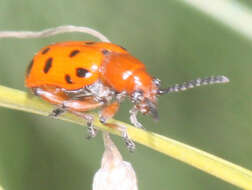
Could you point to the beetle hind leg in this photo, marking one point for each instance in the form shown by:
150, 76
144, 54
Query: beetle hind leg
77, 107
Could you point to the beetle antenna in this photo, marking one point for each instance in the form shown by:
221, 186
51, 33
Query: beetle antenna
193, 84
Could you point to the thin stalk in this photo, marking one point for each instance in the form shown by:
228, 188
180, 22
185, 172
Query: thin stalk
227, 171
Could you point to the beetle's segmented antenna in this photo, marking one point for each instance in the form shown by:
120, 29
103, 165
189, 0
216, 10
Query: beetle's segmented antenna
194, 83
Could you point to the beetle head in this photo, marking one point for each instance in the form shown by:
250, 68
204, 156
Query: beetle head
145, 99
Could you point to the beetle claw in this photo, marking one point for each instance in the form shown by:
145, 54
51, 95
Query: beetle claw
128, 142
92, 131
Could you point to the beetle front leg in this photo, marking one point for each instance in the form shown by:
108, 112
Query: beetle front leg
133, 118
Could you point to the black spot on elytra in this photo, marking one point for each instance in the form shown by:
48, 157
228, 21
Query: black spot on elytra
105, 51
68, 79
45, 51
81, 72
74, 53
29, 68
90, 43
48, 65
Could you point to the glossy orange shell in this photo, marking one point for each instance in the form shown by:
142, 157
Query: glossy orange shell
57, 65
124, 72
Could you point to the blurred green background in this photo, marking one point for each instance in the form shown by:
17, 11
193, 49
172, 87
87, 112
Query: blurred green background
177, 43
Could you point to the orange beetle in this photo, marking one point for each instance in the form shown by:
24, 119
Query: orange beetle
79, 76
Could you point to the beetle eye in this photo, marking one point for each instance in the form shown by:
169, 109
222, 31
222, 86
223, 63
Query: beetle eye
156, 81
137, 96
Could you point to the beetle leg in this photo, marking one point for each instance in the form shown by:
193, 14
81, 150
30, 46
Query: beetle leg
74, 106
82, 105
49, 95
109, 111
53, 98
77, 107
128, 142
92, 131
133, 118
67, 104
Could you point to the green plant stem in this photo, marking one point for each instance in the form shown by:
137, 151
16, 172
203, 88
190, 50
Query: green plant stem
229, 172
